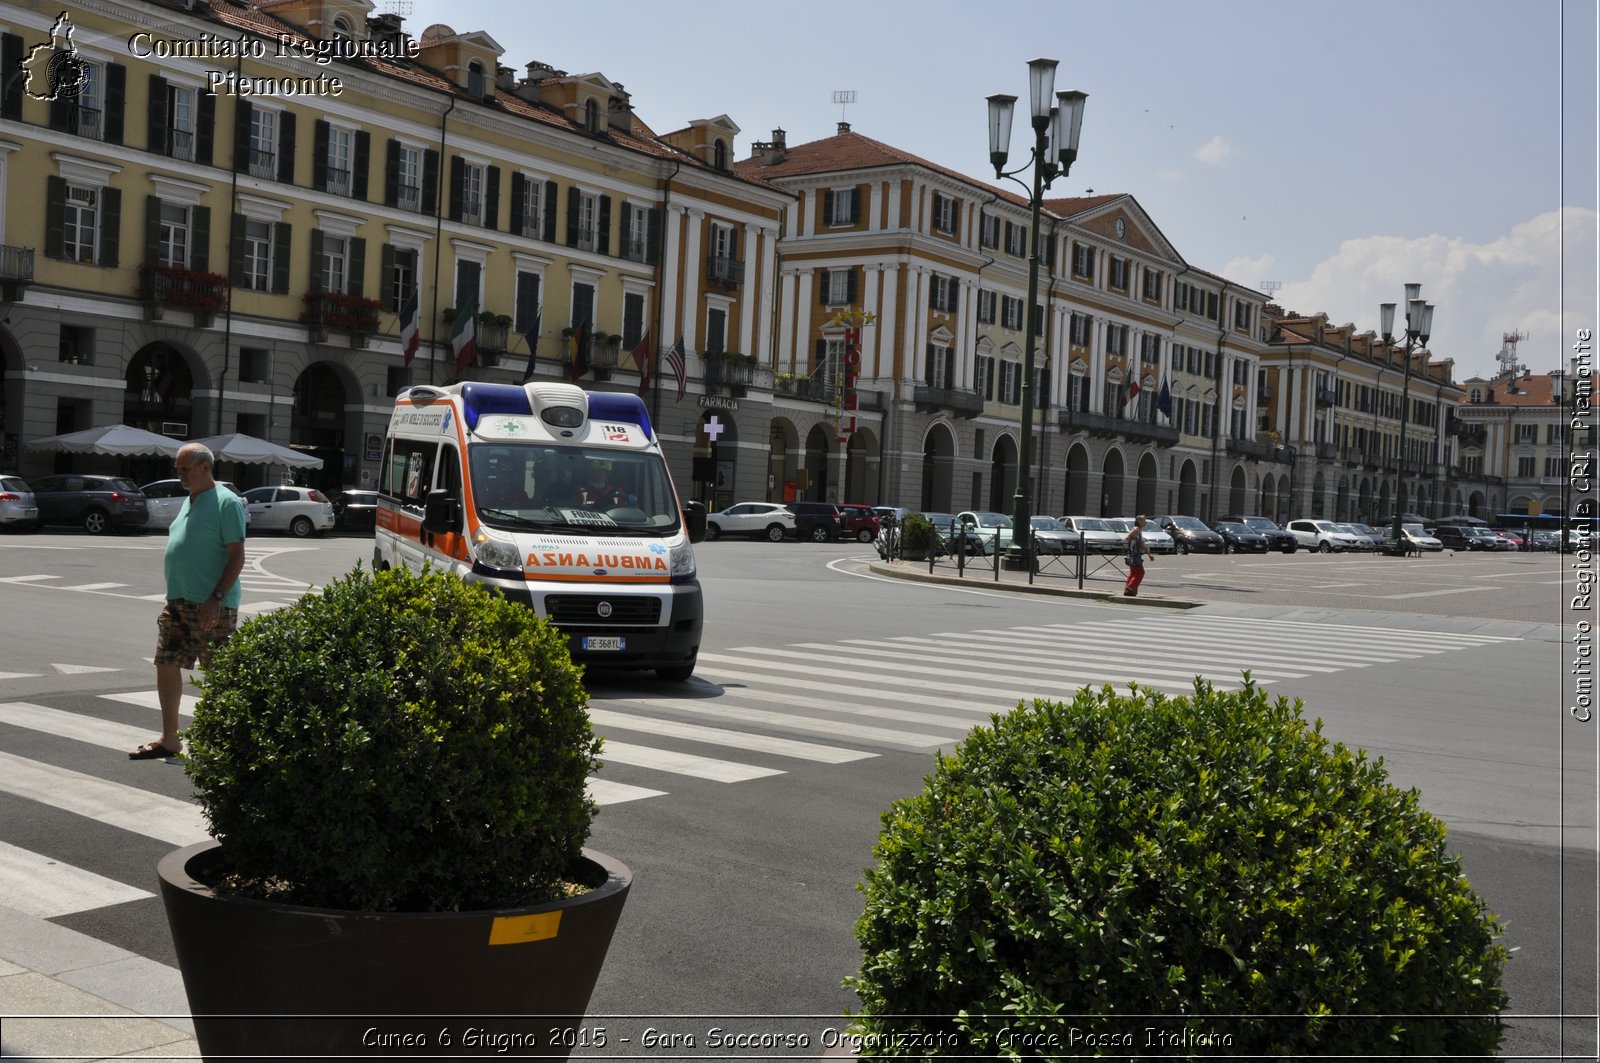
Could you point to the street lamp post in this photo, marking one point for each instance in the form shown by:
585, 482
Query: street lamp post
1419, 325
1055, 147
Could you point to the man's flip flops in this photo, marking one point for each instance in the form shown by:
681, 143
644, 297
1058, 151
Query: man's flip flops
152, 751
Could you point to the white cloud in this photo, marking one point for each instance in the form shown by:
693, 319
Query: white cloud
1214, 151
1480, 291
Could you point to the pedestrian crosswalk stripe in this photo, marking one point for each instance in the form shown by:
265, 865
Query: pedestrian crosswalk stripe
606, 792
81, 669
19, 675
1050, 664
25, 579
1300, 653
91, 730
1366, 651
860, 706
1378, 633
782, 747
91, 587
39, 886
126, 807
791, 722
682, 763
151, 700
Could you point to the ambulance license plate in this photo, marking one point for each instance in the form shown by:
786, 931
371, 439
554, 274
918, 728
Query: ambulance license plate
596, 643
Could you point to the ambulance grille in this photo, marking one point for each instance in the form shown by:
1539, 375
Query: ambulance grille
584, 609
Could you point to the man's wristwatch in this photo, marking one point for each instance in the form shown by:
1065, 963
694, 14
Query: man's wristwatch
218, 596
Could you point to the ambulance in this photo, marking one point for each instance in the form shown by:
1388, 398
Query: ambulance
560, 499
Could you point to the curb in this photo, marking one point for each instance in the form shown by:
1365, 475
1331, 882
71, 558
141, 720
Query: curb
905, 571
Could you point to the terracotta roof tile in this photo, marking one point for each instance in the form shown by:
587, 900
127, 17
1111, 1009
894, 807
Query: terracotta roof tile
1531, 391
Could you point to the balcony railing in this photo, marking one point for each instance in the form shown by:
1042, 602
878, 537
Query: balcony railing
724, 272
1104, 425
963, 402
87, 121
409, 197
1327, 451
1327, 397
180, 145
336, 310
16, 271
336, 182
634, 250
1475, 436
492, 335
161, 286
1249, 448
263, 164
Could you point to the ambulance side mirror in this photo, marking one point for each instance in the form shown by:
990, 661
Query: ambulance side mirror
442, 513
694, 519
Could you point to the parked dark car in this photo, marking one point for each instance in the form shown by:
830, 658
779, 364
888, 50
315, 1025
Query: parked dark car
1240, 538
98, 504
356, 510
1050, 536
1191, 535
817, 521
1277, 537
1466, 537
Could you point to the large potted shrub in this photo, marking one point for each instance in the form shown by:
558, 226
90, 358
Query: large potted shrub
1136, 875
394, 771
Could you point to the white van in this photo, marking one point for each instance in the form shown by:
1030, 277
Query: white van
561, 500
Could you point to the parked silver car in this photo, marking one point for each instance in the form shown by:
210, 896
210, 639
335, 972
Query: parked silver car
165, 498
756, 520
1158, 541
300, 511
1098, 533
19, 510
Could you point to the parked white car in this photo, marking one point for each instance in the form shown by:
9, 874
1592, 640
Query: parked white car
165, 498
1157, 540
1098, 535
1326, 537
772, 521
1416, 535
300, 511
987, 524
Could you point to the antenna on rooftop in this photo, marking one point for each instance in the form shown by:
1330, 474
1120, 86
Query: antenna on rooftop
1270, 287
398, 7
844, 98
1508, 352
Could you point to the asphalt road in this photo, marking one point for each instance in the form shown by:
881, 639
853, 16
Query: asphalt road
745, 891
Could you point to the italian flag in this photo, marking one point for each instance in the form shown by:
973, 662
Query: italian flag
464, 333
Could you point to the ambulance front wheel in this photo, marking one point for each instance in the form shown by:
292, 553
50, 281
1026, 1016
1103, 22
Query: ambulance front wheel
678, 673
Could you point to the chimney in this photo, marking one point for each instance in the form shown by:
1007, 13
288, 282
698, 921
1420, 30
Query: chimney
844, 127
619, 109
505, 78
385, 28
770, 151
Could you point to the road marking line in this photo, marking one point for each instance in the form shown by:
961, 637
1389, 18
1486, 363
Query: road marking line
45, 888
790, 722
91, 587
1430, 594
127, 807
107, 734
690, 764
1346, 654
1102, 637
1383, 634
19, 675
81, 669
782, 747
606, 792
1165, 660
25, 579
151, 700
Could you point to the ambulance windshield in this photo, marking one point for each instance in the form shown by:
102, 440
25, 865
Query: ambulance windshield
572, 490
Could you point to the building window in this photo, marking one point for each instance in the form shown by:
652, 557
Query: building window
472, 194
944, 213
1555, 434
1010, 382
172, 238
1016, 239
339, 167
942, 293
180, 129
1525, 467
263, 143
719, 154
80, 224
941, 367
1083, 261
841, 206
335, 264
587, 214
1116, 339
90, 109
402, 278
342, 31
985, 307
475, 81
1078, 330
989, 231
1149, 349
1119, 273
983, 376
839, 287
1010, 313
408, 181
527, 309
1152, 284
1527, 433
636, 233
1554, 467
258, 255
716, 330
1241, 316
632, 320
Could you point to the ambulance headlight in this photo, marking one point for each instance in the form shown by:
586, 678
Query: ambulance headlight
493, 552
680, 563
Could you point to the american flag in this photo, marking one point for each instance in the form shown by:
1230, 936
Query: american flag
675, 362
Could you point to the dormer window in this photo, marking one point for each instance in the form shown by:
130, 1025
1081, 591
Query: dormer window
342, 30
719, 154
475, 78
591, 116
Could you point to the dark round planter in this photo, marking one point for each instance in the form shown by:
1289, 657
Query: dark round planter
277, 980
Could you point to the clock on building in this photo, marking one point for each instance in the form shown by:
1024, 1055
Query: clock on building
1122, 228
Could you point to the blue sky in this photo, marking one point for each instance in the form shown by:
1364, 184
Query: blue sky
1340, 149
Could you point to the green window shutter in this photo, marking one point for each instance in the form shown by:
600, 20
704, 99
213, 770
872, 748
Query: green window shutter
955, 216
236, 251
110, 224
391, 174
827, 206
933, 293
286, 147
156, 131
603, 236
319, 276
55, 211
548, 204
573, 199
10, 90
491, 198
652, 231
458, 171
282, 242
856, 196
116, 99
361, 161
823, 276
430, 181
518, 185
204, 126
152, 229
63, 113
850, 288
319, 155
356, 267
241, 136
200, 239
386, 277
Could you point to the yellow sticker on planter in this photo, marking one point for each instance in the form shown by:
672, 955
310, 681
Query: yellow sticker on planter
516, 929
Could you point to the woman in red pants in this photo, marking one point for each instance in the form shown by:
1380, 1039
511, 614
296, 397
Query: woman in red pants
1137, 552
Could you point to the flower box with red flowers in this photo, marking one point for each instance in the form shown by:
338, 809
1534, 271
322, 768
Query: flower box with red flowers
336, 310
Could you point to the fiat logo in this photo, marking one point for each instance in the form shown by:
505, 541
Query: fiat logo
603, 609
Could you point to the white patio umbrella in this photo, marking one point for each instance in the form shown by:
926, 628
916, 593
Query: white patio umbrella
110, 439
250, 450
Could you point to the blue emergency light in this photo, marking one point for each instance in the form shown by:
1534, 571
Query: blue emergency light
479, 399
